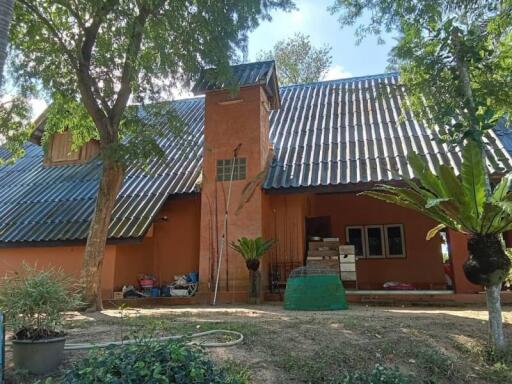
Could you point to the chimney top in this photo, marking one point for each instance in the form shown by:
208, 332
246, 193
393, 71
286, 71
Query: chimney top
241, 75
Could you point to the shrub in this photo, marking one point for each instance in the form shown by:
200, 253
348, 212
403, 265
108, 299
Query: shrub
34, 302
379, 375
148, 362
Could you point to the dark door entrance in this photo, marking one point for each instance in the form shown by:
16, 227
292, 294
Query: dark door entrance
318, 227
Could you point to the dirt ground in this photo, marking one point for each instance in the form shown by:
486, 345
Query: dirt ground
437, 345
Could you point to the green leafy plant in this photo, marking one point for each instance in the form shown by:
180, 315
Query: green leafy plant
297, 60
454, 58
149, 362
252, 250
34, 302
379, 375
463, 204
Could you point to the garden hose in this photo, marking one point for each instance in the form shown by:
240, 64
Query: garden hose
238, 340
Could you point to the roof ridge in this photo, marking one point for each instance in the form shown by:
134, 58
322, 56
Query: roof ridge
345, 79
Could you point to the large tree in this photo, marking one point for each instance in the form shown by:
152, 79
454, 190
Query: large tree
455, 58
94, 57
297, 60
6, 7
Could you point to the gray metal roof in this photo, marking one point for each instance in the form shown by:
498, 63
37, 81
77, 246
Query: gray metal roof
39, 203
334, 133
242, 75
350, 131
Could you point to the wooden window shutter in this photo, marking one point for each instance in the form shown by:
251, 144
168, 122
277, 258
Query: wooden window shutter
61, 148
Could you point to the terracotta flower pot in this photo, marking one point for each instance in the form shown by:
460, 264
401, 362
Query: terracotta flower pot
38, 356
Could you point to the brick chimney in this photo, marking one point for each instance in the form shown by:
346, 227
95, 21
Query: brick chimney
236, 130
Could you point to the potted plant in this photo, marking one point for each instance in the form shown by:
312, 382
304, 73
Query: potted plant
252, 250
34, 302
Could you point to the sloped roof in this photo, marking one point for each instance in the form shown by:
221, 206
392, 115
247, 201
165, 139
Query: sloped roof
352, 131
328, 134
48, 204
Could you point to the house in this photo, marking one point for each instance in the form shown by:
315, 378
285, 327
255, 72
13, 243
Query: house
303, 153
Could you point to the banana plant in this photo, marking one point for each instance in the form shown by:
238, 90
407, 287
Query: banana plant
464, 203
252, 250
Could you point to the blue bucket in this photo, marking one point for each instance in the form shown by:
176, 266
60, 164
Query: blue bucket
155, 292
166, 291
193, 277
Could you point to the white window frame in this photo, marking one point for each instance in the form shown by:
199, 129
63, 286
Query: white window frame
363, 238
382, 241
402, 236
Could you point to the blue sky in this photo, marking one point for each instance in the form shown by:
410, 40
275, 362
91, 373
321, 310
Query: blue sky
313, 19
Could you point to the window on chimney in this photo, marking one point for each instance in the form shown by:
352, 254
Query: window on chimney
225, 168
60, 150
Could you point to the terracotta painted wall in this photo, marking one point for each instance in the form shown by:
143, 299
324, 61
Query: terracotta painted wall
132, 260
285, 222
423, 263
67, 258
240, 121
176, 240
170, 248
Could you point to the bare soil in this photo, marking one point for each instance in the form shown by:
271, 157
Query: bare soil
436, 344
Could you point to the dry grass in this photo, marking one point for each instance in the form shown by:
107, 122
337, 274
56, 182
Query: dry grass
437, 345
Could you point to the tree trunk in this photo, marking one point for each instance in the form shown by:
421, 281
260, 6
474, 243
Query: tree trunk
488, 265
6, 7
254, 287
110, 184
496, 335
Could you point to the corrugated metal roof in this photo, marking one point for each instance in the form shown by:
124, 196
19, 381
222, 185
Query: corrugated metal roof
352, 131
242, 75
39, 203
332, 133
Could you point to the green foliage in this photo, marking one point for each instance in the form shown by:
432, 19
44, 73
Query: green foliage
455, 57
379, 375
457, 202
437, 364
14, 125
149, 362
297, 60
93, 57
252, 249
34, 301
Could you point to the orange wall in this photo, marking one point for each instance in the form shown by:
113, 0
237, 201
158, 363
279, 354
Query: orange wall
176, 241
133, 260
423, 263
284, 223
170, 248
67, 258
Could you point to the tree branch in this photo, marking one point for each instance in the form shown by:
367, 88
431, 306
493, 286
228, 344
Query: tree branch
132, 53
88, 86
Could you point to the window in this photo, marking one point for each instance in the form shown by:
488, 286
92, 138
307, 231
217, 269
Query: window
355, 237
377, 241
374, 241
395, 240
225, 168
